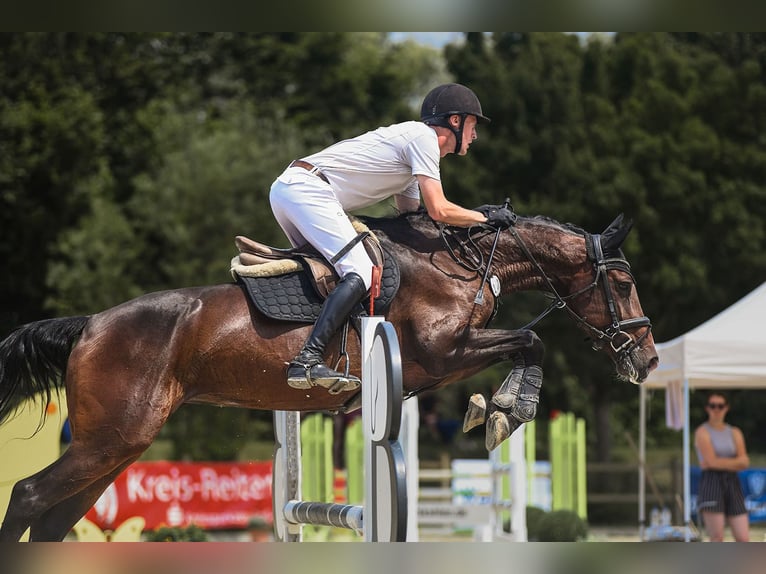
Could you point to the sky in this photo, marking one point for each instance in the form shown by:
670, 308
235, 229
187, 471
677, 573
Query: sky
440, 39
435, 39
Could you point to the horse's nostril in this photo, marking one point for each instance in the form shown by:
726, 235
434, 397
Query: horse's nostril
653, 363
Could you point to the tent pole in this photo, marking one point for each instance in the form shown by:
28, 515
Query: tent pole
641, 461
687, 458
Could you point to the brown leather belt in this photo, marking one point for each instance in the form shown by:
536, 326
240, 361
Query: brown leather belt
312, 169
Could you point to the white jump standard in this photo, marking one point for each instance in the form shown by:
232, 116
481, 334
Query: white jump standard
383, 517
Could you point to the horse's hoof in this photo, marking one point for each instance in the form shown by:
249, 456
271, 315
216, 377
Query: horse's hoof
477, 409
499, 427
498, 430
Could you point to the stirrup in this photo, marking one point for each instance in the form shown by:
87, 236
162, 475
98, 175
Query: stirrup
304, 376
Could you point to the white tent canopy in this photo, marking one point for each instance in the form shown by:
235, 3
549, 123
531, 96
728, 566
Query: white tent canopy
727, 351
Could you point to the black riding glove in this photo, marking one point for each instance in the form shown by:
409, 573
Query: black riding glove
498, 216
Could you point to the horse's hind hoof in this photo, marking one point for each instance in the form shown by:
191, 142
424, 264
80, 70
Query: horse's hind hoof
477, 409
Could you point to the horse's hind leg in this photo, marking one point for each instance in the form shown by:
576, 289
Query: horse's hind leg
57, 522
54, 499
32, 497
80, 475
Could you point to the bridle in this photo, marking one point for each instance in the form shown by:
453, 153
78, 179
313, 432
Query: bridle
616, 335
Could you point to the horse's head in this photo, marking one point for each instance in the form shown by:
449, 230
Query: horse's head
602, 298
587, 275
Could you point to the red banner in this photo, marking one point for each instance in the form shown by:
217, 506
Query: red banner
218, 495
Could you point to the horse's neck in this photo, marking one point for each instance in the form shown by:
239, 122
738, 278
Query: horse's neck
559, 252
520, 276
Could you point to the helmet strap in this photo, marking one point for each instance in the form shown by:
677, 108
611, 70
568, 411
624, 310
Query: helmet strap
458, 133
443, 121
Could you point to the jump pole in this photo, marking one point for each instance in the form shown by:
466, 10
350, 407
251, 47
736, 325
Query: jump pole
383, 516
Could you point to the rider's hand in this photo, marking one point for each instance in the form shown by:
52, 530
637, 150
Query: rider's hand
498, 216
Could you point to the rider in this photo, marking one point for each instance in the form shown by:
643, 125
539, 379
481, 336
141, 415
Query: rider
311, 197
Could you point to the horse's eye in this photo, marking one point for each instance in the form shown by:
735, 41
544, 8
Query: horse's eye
624, 287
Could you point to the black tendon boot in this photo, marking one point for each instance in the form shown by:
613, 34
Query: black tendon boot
308, 368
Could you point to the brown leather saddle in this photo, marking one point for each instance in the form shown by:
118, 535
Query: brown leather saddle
292, 284
263, 260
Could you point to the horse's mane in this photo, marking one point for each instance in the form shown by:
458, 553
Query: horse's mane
545, 220
403, 226
415, 224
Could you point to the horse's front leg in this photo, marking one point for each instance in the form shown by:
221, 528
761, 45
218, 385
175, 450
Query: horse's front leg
515, 402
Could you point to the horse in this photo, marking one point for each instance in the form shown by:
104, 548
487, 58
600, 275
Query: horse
128, 368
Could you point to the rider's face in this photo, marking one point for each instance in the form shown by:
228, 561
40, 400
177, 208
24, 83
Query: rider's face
470, 132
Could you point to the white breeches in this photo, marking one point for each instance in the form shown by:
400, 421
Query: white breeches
308, 211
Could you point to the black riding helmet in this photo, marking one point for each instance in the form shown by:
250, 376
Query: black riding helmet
447, 100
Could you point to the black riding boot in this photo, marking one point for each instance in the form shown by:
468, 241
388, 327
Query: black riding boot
308, 368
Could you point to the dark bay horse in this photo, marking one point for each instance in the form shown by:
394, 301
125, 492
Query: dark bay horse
127, 369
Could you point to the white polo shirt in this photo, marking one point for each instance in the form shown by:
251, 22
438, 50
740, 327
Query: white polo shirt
378, 164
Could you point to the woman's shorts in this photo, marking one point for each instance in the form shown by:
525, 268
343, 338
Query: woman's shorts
720, 491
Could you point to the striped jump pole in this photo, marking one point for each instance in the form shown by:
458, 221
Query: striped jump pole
383, 516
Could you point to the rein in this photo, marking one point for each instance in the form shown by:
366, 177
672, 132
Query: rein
471, 257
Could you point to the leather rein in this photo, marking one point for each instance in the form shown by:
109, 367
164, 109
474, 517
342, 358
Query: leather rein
622, 342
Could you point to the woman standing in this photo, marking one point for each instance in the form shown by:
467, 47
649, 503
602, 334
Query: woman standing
721, 452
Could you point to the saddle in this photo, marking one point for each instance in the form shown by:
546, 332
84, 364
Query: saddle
291, 284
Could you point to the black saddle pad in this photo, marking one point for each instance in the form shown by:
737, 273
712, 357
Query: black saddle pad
292, 297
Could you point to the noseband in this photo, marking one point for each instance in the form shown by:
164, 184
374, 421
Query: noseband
615, 334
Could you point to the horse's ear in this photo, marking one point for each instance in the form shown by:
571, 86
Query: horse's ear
615, 234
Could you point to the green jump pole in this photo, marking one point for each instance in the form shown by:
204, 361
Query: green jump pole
530, 429
316, 466
557, 462
582, 490
355, 462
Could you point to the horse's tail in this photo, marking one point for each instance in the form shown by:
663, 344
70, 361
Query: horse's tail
33, 360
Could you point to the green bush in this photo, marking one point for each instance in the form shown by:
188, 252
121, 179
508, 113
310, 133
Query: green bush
535, 515
554, 526
191, 533
561, 526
